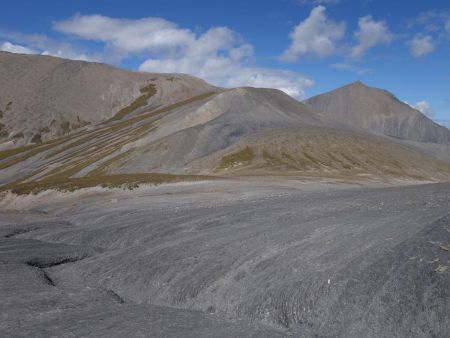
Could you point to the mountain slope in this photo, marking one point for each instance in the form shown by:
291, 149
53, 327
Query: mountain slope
185, 126
378, 111
238, 131
44, 97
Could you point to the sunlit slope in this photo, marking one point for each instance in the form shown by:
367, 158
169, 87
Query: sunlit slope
44, 97
377, 110
180, 125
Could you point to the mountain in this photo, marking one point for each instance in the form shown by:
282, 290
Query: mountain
44, 97
378, 111
179, 125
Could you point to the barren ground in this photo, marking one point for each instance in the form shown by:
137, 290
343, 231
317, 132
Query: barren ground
232, 258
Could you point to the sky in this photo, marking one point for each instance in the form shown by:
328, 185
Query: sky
303, 47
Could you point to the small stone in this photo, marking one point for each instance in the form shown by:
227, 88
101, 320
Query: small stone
441, 268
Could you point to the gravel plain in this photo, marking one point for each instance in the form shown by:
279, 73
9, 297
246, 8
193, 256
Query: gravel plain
232, 258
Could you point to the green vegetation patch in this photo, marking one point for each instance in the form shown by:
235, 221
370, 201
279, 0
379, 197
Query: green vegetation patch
129, 181
159, 111
28, 151
102, 168
14, 151
147, 92
275, 161
272, 160
243, 157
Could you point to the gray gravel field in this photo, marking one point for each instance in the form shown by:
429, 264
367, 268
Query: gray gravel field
232, 258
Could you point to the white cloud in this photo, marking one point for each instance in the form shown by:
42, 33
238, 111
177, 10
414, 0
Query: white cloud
13, 48
421, 45
432, 21
224, 72
67, 54
424, 107
218, 55
154, 34
370, 34
41, 44
351, 67
316, 35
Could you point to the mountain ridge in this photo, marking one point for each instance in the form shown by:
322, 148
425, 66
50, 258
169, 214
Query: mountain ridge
180, 125
44, 97
379, 111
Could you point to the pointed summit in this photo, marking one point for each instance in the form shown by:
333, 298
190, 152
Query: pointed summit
357, 84
378, 111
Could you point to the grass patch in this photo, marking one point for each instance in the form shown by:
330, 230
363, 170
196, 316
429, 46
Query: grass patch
272, 160
14, 151
90, 157
101, 169
30, 150
147, 92
80, 141
350, 159
129, 181
34, 149
275, 161
164, 110
243, 157
310, 158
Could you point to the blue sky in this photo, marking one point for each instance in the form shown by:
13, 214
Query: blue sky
303, 47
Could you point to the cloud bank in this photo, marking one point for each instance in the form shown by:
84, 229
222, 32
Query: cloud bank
218, 55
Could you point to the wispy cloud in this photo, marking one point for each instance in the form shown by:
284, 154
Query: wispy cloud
351, 67
431, 21
421, 45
